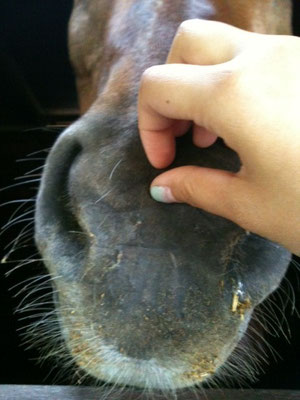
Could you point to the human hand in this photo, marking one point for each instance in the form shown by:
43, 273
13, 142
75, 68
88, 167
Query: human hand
245, 88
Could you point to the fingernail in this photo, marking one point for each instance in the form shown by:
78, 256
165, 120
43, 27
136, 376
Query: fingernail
162, 194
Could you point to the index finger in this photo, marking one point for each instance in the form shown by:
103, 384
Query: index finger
185, 92
173, 92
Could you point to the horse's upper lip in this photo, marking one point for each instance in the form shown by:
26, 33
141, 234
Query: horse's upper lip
142, 246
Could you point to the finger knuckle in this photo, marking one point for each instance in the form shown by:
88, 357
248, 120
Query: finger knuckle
227, 82
150, 74
186, 27
149, 77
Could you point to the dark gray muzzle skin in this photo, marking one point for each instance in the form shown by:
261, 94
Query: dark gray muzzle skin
147, 294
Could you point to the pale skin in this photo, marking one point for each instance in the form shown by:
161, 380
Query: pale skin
245, 88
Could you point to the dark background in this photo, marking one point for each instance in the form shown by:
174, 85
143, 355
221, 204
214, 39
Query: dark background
37, 97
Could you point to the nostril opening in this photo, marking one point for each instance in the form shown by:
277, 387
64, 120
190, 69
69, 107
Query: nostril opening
57, 227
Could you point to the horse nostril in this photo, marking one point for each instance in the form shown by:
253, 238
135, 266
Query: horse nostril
57, 228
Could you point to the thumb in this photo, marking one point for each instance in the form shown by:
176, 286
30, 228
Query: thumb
213, 190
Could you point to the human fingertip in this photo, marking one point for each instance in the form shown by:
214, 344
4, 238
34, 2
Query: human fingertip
162, 194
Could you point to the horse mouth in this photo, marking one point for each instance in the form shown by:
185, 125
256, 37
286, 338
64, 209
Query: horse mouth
104, 360
121, 265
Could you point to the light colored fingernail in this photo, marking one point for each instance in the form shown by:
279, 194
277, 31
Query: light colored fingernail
162, 194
